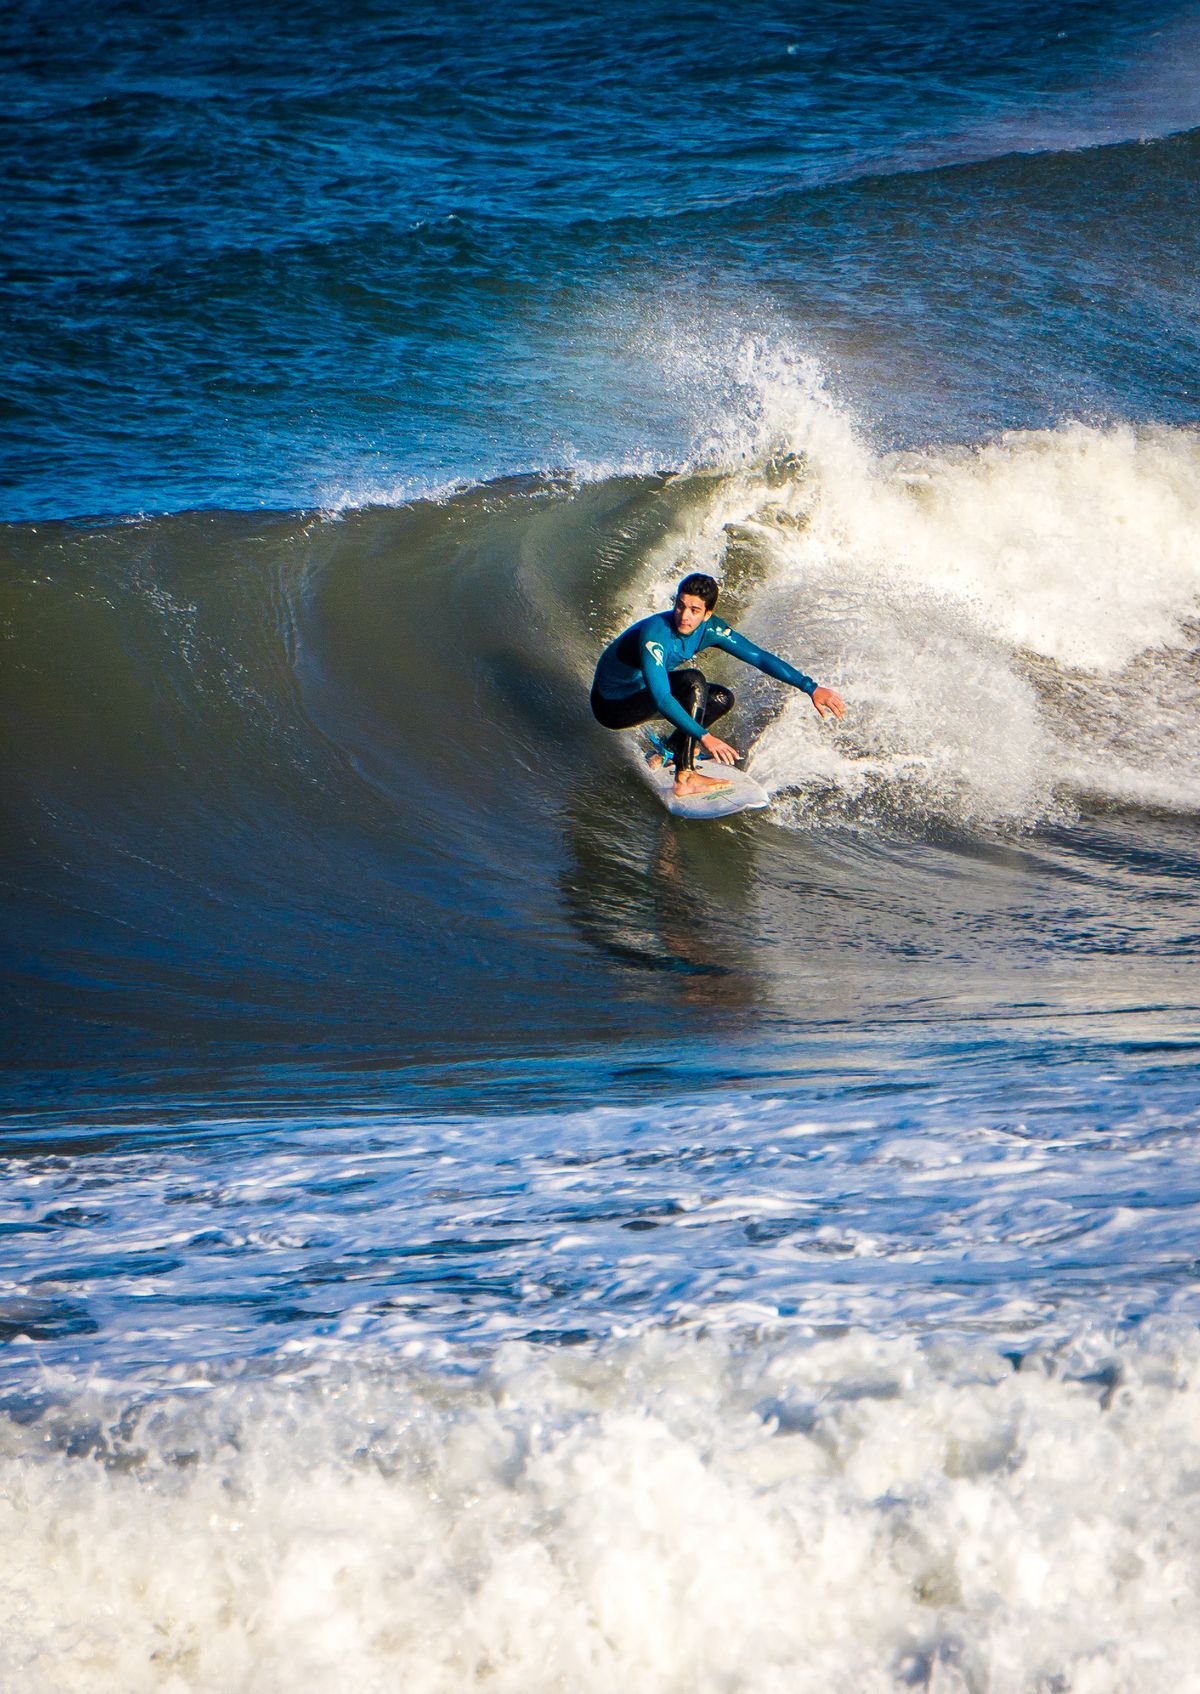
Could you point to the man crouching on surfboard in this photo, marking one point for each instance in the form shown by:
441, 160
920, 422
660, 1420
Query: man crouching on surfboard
637, 679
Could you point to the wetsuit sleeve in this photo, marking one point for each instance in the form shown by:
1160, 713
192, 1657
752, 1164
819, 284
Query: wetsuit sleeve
658, 682
769, 663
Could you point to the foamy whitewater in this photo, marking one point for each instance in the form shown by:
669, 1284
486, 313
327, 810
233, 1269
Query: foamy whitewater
461, 1227
916, 1409
663, 1514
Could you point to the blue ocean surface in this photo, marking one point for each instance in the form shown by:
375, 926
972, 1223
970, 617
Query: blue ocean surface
460, 1226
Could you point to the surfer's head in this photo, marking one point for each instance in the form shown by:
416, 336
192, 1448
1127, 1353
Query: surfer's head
694, 600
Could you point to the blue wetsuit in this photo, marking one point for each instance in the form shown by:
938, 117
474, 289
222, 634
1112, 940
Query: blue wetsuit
633, 679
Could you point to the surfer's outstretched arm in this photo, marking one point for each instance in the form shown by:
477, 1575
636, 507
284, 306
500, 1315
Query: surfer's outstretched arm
732, 641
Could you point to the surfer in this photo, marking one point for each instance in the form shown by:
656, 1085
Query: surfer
638, 678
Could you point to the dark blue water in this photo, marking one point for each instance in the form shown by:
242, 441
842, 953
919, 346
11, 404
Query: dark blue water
461, 1226
267, 257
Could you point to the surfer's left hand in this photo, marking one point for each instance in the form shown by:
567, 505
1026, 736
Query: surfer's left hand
720, 750
828, 704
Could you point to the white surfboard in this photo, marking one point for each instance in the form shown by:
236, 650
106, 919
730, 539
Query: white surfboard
742, 795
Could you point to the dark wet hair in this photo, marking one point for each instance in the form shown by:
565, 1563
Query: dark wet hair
704, 587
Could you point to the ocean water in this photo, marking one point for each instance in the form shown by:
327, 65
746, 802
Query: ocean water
461, 1227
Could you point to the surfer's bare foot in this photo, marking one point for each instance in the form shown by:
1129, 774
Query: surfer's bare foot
691, 782
655, 761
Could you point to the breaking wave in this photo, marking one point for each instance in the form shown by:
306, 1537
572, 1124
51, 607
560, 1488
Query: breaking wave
252, 754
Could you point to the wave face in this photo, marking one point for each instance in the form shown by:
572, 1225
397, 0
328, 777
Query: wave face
272, 777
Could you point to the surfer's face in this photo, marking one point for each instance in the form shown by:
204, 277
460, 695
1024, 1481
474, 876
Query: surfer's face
690, 612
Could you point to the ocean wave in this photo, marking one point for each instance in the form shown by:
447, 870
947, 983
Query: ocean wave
369, 731
1014, 620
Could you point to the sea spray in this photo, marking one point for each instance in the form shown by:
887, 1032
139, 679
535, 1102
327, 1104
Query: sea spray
1003, 616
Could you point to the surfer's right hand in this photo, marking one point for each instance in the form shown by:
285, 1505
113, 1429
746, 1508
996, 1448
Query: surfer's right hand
721, 751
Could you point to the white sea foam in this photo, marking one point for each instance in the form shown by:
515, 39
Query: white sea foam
1013, 625
665, 1514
